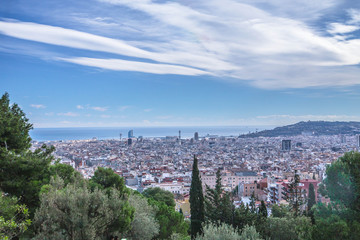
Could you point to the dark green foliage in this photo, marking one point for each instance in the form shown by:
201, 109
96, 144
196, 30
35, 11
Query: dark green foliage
65, 171
160, 195
243, 216
288, 228
342, 183
170, 221
338, 185
196, 201
263, 210
352, 162
329, 228
14, 127
106, 178
14, 217
24, 175
311, 199
218, 204
279, 211
252, 203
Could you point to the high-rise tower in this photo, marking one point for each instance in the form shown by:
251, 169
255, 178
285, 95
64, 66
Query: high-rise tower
131, 134
286, 145
196, 136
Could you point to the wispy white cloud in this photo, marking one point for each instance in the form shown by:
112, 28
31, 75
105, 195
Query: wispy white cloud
338, 28
123, 108
69, 114
124, 65
79, 107
37, 106
269, 44
147, 110
354, 15
100, 109
105, 116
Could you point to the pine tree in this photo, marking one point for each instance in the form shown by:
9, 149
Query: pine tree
196, 201
213, 200
294, 195
263, 210
253, 203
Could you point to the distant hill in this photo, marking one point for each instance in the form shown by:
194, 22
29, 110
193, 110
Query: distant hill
310, 128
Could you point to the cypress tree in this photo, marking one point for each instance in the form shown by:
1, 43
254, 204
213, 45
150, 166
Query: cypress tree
196, 202
311, 200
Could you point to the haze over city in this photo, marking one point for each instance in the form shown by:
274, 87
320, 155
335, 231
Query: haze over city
114, 63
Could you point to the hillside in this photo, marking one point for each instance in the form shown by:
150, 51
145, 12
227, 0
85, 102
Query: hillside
314, 127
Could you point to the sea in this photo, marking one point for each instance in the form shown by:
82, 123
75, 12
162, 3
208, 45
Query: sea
102, 133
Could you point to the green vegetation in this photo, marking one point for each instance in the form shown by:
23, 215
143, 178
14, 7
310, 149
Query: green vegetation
196, 202
14, 217
160, 195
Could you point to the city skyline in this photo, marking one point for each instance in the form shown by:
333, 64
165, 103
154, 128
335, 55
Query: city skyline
114, 63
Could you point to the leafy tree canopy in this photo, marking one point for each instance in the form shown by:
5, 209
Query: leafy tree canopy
14, 217
14, 127
160, 195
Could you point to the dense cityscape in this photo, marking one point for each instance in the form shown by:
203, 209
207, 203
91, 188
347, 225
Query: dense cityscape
262, 165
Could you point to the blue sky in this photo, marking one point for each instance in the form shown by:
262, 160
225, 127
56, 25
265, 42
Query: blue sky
113, 63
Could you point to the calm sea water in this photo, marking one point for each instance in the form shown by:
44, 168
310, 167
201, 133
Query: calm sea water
53, 134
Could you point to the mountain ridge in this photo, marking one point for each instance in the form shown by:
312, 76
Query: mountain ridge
310, 128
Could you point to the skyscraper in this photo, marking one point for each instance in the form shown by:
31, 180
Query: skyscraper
286, 145
196, 136
131, 134
358, 141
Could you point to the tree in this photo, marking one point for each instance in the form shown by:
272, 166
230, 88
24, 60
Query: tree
218, 231
76, 212
243, 216
223, 231
249, 233
144, 225
106, 178
288, 228
279, 211
263, 210
294, 195
311, 198
342, 183
332, 227
170, 221
218, 204
252, 203
14, 217
14, 127
160, 195
338, 184
196, 201
65, 171
22, 172
23, 175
